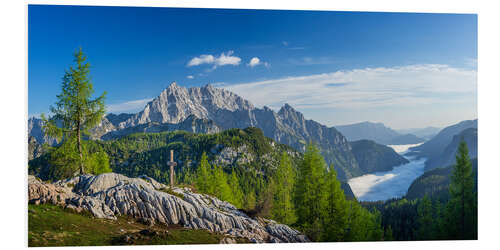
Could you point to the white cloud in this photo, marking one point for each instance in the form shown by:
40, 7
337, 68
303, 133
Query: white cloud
285, 43
255, 61
128, 106
201, 60
224, 59
227, 59
410, 85
190, 77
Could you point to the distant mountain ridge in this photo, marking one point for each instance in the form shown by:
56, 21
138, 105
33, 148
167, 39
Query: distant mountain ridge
434, 149
377, 132
447, 156
373, 157
425, 133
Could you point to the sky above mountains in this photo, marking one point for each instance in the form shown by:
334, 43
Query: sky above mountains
405, 70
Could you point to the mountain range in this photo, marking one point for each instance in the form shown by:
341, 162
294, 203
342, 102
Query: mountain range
424, 133
441, 149
377, 132
210, 109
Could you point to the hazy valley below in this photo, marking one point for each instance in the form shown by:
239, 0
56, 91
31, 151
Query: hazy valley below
389, 184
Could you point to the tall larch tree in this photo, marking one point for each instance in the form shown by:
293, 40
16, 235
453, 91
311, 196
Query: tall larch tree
336, 218
284, 181
461, 208
425, 219
203, 175
309, 192
74, 108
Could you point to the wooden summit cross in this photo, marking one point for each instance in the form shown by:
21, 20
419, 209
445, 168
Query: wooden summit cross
172, 164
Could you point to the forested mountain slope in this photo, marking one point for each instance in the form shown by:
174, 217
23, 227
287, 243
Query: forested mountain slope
373, 157
435, 183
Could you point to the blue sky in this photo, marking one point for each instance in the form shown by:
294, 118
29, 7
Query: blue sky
403, 69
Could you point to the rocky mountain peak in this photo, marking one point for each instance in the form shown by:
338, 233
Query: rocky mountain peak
288, 113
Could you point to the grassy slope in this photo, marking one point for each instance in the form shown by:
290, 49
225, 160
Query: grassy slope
50, 225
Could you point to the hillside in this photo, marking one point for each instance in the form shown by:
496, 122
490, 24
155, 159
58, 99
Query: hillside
434, 147
435, 183
447, 157
146, 153
51, 225
377, 132
373, 157
247, 151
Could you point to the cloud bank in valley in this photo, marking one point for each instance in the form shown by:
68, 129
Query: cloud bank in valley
390, 184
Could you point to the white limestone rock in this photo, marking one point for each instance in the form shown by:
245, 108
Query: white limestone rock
110, 195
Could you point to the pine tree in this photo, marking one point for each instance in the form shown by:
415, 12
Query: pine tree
203, 175
461, 208
425, 219
283, 183
388, 234
75, 109
335, 210
250, 200
237, 194
221, 187
439, 222
356, 230
309, 193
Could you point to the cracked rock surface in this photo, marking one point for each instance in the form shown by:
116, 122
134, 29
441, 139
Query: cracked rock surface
110, 195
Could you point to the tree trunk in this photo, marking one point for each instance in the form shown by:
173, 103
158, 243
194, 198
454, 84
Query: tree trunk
78, 142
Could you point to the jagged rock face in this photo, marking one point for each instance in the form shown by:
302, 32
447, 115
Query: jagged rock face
190, 124
176, 103
35, 129
34, 148
117, 119
334, 146
104, 127
228, 110
110, 195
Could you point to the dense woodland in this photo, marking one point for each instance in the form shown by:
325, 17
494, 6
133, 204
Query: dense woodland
272, 181
447, 210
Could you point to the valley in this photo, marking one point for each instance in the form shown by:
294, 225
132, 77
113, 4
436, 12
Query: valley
389, 184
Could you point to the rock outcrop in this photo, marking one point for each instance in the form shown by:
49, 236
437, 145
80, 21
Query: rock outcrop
191, 124
35, 129
110, 195
34, 148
